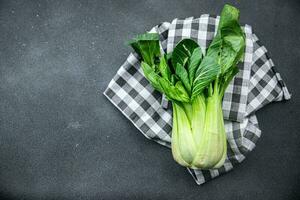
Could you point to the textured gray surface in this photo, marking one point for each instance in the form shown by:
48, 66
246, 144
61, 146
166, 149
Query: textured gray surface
61, 138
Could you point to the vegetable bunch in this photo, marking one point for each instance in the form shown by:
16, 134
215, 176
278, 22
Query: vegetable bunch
195, 83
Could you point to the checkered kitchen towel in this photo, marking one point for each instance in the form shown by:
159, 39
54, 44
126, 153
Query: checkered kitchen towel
256, 85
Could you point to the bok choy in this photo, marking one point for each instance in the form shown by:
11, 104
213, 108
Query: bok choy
195, 84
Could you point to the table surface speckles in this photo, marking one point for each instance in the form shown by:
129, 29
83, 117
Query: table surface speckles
60, 138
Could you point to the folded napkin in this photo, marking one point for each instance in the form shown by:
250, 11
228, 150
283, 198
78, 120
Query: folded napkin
256, 85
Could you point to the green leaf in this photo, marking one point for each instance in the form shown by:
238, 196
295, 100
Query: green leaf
194, 62
173, 79
163, 85
180, 87
232, 51
182, 51
207, 72
168, 56
174, 93
147, 46
184, 77
184, 74
151, 76
164, 68
229, 16
223, 54
229, 42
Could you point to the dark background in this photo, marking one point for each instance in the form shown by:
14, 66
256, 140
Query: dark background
60, 138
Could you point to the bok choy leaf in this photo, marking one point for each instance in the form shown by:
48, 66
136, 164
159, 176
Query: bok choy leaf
195, 84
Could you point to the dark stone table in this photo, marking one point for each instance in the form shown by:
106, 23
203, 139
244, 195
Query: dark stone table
60, 138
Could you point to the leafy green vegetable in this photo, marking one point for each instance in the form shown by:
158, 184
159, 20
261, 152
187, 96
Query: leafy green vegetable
195, 60
196, 84
183, 75
164, 68
147, 45
183, 51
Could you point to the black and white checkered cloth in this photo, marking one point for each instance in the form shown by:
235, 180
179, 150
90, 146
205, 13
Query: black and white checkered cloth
256, 85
